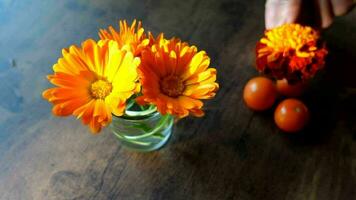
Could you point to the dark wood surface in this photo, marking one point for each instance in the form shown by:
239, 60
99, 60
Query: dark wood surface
231, 153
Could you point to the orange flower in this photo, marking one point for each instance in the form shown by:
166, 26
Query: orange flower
132, 36
174, 77
290, 51
92, 82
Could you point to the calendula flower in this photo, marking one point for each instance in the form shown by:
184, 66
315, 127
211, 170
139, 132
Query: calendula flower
291, 51
93, 82
175, 77
133, 36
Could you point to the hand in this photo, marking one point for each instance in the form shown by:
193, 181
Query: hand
317, 13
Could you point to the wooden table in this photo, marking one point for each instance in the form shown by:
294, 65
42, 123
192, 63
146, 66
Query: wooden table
232, 153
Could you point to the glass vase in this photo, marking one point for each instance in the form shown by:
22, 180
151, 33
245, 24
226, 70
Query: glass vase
142, 129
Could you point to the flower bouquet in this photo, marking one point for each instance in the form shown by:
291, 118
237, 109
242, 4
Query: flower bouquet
133, 81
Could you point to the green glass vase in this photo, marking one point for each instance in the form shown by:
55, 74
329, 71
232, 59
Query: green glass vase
142, 129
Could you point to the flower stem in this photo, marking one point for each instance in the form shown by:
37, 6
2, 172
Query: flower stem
164, 120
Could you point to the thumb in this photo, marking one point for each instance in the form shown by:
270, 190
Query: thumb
278, 12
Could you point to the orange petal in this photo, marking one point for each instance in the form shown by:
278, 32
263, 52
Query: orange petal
197, 113
190, 103
67, 108
94, 125
211, 72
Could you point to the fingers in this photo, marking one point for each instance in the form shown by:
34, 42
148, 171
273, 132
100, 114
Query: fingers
326, 13
279, 12
341, 7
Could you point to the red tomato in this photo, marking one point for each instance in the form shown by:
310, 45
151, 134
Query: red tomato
291, 115
260, 93
290, 90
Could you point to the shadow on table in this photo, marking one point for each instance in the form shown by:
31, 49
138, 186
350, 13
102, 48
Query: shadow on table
332, 95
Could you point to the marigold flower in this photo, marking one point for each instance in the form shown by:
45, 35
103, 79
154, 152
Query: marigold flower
93, 82
175, 77
291, 51
133, 36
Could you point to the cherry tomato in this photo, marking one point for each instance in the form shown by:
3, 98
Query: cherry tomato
290, 90
291, 115
260, 93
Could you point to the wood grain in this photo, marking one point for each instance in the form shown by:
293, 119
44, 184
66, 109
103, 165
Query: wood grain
231, 153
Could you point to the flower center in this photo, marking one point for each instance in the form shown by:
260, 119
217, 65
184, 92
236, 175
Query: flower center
100, 89
172, 86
